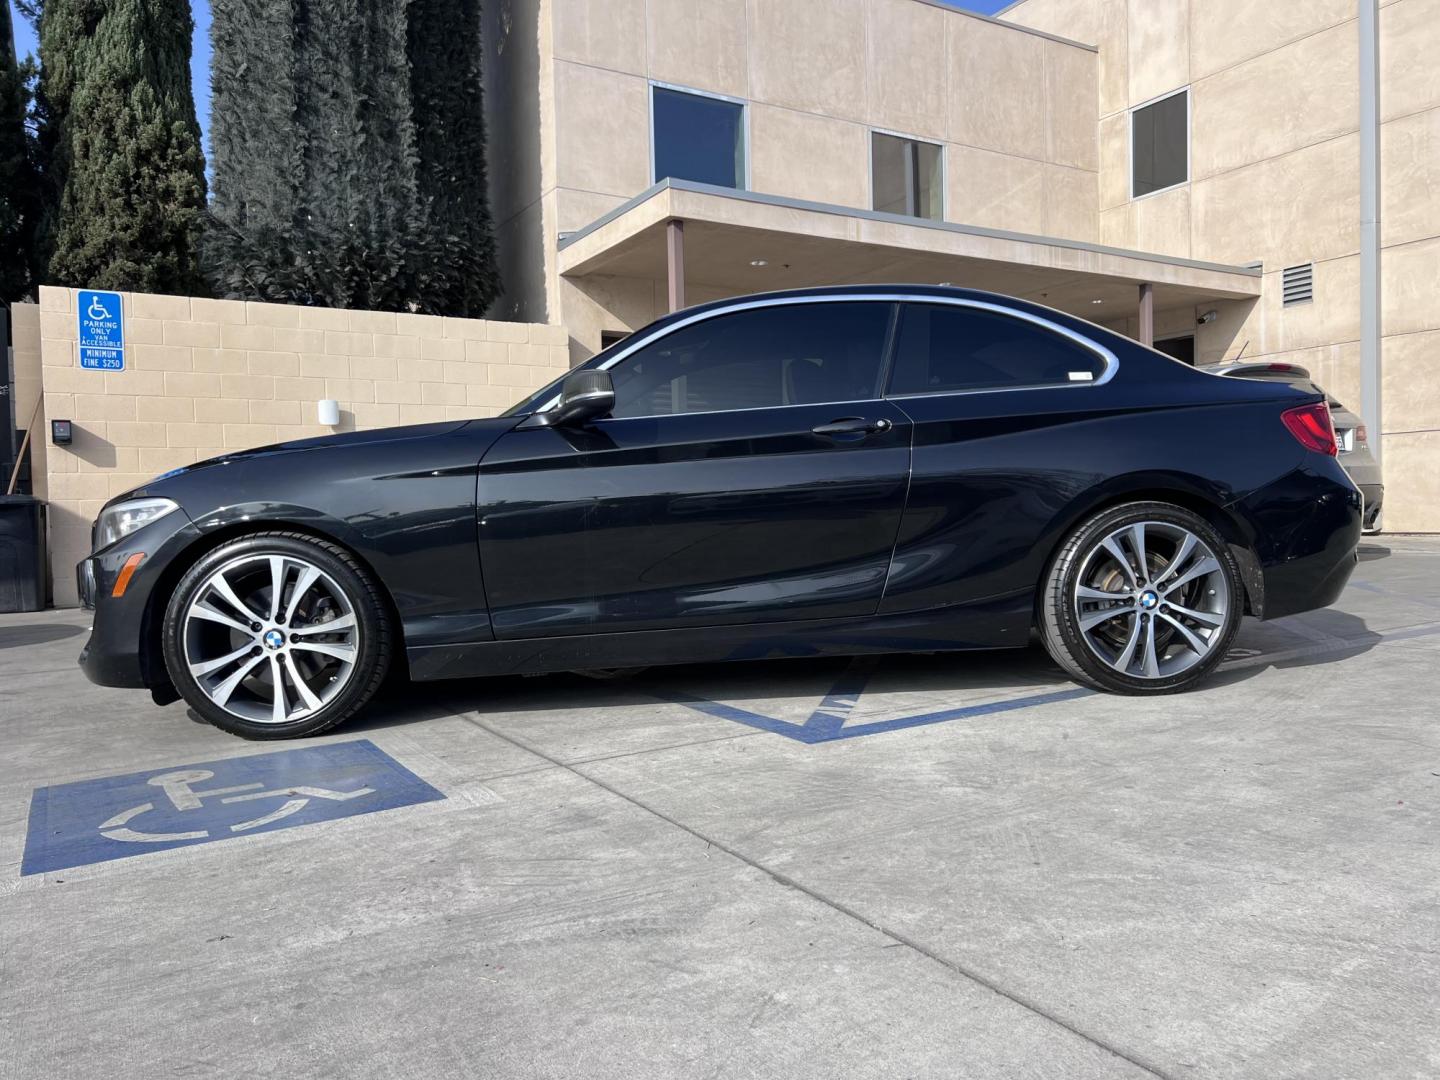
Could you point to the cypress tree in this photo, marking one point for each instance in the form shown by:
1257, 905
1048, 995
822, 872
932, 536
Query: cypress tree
332, 182
124, 177
18, 206
445, 54
252, 247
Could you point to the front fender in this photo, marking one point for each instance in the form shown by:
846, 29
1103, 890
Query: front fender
404, 507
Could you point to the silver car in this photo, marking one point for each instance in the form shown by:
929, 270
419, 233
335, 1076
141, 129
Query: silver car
1351, 438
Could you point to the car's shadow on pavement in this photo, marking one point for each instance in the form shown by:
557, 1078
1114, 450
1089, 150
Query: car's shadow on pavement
1315, 639
13, 637
794, 680
944, 679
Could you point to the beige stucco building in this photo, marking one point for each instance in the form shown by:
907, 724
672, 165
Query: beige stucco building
1142, 163
1185, 171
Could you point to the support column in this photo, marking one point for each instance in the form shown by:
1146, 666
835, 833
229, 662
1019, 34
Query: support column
675, 262
1370, 325
1147, 314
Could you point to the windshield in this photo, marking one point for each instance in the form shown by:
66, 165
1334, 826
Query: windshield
538, 398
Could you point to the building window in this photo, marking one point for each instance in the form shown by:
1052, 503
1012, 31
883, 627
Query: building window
906, 176
698, 137
1160, 144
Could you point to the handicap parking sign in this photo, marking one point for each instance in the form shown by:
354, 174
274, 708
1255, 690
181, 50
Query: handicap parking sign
115, 817
102, 330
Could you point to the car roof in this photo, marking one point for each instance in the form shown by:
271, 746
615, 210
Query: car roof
907, 290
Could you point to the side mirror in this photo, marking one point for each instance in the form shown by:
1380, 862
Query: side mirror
584, 396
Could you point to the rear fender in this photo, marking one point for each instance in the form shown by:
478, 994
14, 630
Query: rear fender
1206, 498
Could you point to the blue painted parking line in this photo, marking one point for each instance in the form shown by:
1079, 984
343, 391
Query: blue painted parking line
829, 720
114, 817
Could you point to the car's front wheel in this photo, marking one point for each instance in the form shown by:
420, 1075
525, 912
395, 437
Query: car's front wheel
1143, 598
276, 635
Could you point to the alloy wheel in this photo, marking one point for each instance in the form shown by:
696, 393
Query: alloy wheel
270, 638
1151, 600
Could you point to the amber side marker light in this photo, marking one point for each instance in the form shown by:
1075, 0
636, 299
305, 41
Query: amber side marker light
122, 580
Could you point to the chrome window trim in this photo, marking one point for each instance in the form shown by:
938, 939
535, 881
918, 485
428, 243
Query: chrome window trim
1112, 363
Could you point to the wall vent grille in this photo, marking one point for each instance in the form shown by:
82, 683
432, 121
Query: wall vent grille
1298, 283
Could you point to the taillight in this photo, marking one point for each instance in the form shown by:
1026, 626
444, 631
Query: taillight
1312, 427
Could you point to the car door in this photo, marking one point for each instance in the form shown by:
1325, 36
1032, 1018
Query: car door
750, 471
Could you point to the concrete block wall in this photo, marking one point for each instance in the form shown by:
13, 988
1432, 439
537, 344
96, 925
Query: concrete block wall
203, 377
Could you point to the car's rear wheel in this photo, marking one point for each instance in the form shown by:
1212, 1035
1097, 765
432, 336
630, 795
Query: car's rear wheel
276, 635
1143, 598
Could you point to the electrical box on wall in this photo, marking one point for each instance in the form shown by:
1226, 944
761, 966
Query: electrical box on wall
62, 432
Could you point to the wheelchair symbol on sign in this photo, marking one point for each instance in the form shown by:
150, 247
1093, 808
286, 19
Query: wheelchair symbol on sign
177, 788
97, 310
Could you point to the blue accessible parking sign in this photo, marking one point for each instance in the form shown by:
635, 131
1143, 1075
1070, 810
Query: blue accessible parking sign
102, 330
115, 817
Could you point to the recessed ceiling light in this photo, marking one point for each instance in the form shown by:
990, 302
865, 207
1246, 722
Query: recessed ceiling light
759, 262
1097, 301
947, 283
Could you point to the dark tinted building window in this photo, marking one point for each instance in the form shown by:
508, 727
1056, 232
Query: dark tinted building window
1160, 144
905, 176
699, 138
1181, 348
765, 357
945, 347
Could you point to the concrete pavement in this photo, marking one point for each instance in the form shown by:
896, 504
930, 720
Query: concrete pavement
948, 866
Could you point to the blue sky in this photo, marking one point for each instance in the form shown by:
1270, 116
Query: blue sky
200, 57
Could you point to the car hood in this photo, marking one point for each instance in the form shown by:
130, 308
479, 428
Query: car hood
158, 485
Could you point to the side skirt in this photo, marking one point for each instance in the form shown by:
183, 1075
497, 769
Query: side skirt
993, 624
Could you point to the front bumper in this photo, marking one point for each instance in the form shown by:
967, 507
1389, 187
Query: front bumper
1306, 537
124, 645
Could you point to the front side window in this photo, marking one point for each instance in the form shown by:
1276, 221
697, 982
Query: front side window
906, 176
698, 138
946, 347
1160, 144
799, 354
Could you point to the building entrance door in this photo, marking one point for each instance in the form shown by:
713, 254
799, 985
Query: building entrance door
1181, 348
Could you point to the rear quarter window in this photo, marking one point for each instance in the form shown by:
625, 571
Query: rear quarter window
945, 348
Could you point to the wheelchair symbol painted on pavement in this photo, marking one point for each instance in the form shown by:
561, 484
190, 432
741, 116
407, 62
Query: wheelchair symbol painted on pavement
201, 802
176, 786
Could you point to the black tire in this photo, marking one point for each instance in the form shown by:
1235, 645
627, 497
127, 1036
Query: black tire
372, 636
1058, 616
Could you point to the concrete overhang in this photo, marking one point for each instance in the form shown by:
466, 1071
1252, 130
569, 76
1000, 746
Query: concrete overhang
808, 243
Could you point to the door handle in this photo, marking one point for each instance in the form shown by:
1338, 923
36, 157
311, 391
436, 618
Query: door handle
853, 425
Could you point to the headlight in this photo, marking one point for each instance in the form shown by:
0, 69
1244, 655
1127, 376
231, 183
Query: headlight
124, 518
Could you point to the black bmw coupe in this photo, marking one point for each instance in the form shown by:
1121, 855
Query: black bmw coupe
834, 471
